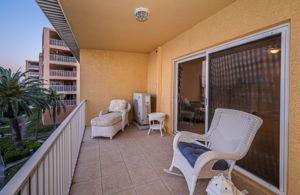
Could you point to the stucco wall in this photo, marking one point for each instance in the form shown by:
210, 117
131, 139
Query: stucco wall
239, 19
110, 75
152, 69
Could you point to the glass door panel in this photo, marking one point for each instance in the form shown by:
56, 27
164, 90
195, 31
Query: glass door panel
247, 78
191, 96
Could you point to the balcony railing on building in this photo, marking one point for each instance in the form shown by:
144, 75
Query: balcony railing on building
62, 73
60, 58
69, 102
33, 73
58, 42
64, 87
33, 66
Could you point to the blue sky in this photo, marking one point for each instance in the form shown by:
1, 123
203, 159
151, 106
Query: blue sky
21, 25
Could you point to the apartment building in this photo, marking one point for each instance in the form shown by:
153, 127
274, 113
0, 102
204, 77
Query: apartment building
59, 69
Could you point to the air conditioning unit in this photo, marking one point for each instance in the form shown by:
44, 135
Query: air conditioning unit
142, 107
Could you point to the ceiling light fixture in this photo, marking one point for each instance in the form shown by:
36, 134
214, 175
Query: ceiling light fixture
274, 50
141, 14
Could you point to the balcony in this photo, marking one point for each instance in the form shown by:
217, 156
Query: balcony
33, 73
33, 67
63, 73
71, 162
69, 102
60, 58
58, 42
64, 87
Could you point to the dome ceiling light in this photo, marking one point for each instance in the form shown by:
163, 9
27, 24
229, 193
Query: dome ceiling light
141, 14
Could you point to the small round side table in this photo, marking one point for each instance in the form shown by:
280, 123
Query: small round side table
157, 122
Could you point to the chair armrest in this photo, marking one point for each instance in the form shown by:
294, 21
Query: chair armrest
186, 136
128, 107
103, 112
211, 157
124, 114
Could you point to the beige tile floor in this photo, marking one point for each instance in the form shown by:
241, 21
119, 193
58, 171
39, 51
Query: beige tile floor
131, 164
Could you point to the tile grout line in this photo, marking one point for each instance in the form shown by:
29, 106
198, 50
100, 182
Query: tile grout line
125, 165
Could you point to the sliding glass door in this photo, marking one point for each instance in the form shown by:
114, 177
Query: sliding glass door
248, 78
190, 95
249, 74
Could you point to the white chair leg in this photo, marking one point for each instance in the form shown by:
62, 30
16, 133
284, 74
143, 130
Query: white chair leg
193, 185
110, 137
161, 134
149, 131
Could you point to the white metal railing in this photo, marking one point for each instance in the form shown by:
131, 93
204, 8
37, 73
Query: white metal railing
69, 102
64, 87
58, 42
60, 58
63, 73
51, 168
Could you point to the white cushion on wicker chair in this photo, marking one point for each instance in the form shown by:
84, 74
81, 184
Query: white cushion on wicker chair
107, 119
117, 105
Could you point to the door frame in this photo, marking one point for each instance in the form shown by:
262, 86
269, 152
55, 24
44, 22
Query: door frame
175, 86
284, 30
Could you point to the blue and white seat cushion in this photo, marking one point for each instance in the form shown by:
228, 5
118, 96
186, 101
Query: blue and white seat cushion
192, 151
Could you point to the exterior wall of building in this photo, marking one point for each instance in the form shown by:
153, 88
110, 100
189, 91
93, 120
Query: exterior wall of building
154, 77
240, 19
47, 120
47, 63
110, 75
152, 81
33, 68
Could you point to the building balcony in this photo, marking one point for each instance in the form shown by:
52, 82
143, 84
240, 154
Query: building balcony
33, 67
63, 73
69, 102
61, 58
67, 88
58, 42
33, 74
71, 162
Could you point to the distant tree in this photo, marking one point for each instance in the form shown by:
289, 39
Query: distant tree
56, 105
18, 94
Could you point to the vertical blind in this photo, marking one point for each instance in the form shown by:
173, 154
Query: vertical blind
247, 78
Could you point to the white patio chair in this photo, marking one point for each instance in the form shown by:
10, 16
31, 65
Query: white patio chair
228, 140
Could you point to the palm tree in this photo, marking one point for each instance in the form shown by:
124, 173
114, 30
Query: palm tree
40, 110
56, 105
17, 94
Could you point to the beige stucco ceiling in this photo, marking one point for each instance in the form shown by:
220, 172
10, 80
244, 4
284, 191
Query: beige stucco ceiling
111, 25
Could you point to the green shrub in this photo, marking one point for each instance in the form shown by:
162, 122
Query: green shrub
32, 144
6, 144
11, 172
12, 156
9, 152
